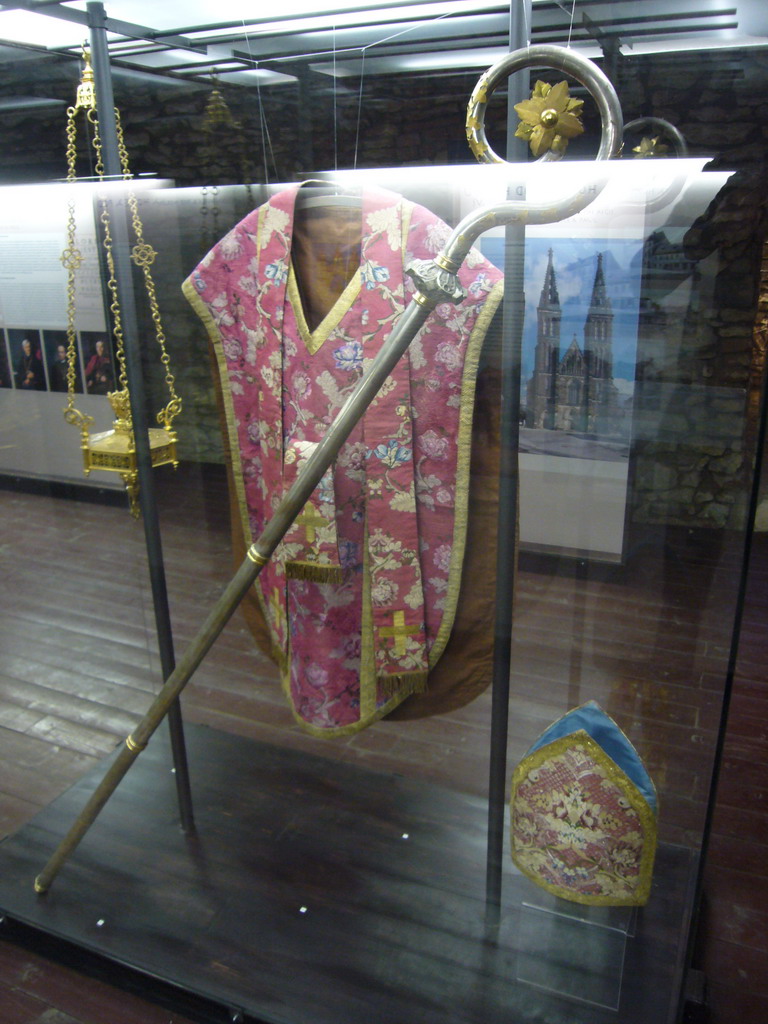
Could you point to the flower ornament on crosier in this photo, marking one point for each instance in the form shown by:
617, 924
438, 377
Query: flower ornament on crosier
649, 148
549, 118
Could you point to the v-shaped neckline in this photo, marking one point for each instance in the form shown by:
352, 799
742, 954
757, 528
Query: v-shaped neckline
314, 340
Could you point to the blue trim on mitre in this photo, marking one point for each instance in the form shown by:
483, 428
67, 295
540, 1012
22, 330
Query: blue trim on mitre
601, 727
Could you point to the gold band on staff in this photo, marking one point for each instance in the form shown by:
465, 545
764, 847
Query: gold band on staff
133, 746
255, 556
421, 298
442, 261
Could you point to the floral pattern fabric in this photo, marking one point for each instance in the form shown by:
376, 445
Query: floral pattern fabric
357, 594
580, 828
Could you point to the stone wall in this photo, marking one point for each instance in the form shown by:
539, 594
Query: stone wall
696, 412
284, 131
689, 458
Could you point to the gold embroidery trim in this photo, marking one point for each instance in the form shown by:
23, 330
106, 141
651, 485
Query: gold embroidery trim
368, 686
464, 451
200, 308
209, 323
411, 682
316, 572
314, 340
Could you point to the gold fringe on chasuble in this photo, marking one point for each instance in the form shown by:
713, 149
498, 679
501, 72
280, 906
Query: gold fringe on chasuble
413, 682
315, 572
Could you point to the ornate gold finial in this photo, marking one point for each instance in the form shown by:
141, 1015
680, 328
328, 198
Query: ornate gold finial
86, 90
549, 118
650, 147
121, 407
217, 114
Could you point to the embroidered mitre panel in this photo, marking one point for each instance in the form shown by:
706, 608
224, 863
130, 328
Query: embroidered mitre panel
580, 827
360, 595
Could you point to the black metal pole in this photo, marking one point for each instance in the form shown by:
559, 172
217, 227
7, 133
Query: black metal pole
506, 557
518, 84
147, 500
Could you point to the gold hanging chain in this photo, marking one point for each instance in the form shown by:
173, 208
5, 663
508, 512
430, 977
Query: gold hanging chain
142, 255
72, 259
114, 305
113, 450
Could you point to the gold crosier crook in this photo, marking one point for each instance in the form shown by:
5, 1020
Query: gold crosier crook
113, 450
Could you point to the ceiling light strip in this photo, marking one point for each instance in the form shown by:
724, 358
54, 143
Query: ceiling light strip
122, 28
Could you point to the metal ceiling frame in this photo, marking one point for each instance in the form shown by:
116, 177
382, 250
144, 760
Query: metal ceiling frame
123, 28
285, 49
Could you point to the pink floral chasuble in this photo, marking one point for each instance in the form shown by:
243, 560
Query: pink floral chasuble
361, 594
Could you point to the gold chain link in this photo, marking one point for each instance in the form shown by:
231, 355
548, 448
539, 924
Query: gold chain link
104, 217
142, 254
72, 258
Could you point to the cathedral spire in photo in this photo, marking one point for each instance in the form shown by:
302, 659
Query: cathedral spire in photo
575, 392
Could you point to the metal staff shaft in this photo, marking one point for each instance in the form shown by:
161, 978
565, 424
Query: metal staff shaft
258, 555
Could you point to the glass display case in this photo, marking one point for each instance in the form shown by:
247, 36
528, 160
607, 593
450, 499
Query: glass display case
547, 503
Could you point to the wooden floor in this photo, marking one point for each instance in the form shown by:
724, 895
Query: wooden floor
651, 643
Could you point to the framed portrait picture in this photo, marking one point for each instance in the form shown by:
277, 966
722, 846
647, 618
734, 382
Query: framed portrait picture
57, 363
99, 362
27, 360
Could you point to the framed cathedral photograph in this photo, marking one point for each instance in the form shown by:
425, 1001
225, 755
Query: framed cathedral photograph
579, 352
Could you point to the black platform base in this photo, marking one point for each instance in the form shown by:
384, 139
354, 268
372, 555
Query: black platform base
317, 893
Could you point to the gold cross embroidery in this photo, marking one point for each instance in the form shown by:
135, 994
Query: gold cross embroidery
311, 519
399, 631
